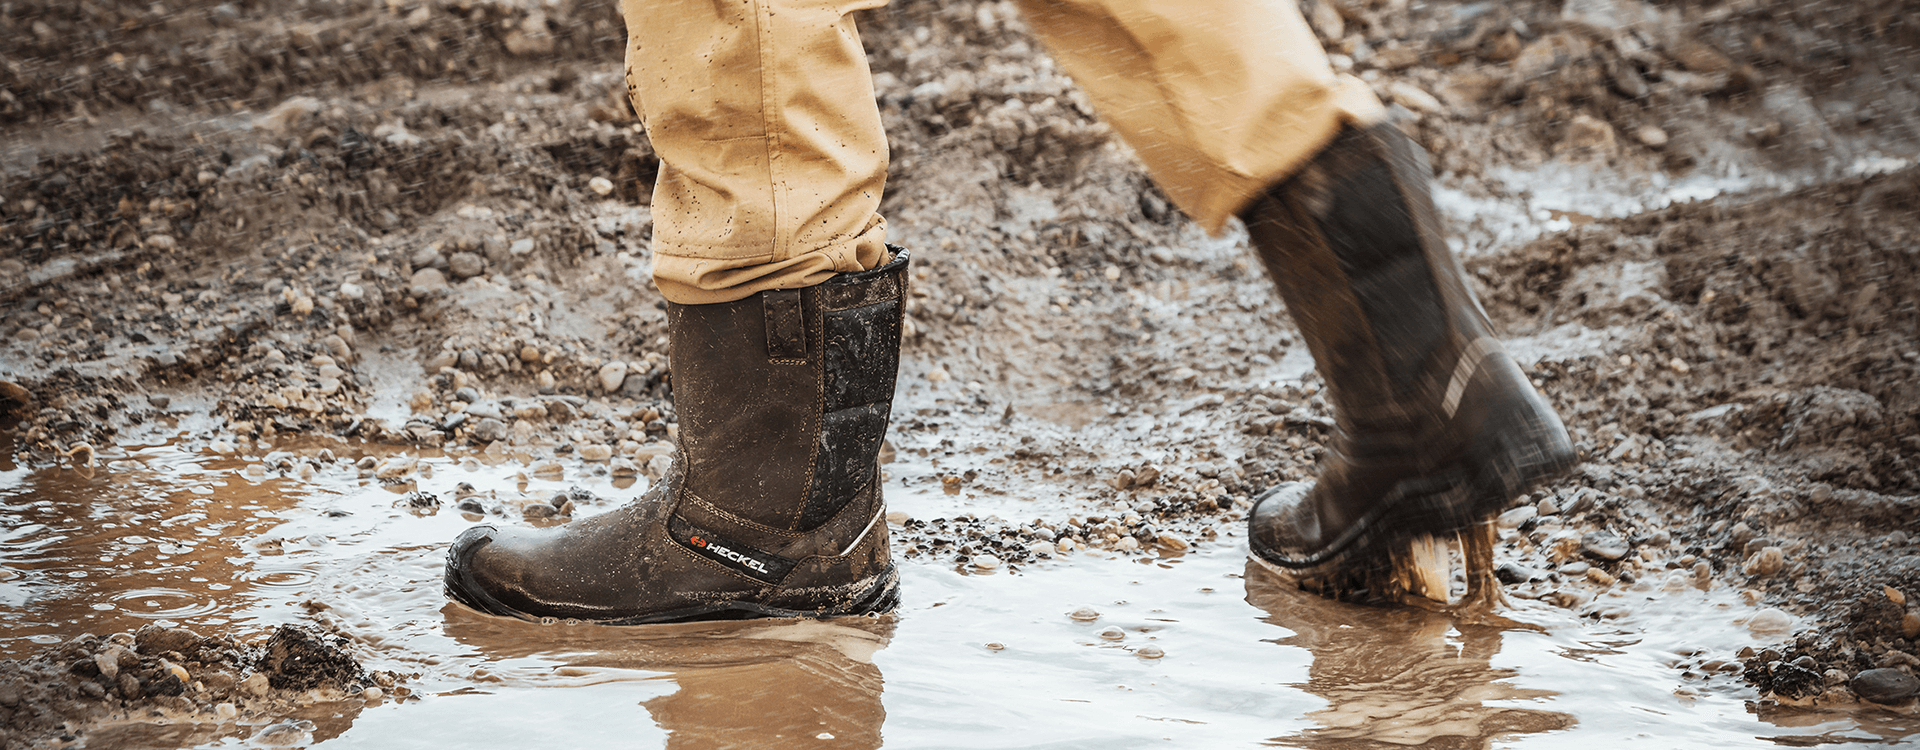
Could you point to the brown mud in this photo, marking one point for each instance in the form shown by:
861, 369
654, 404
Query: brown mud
359, 241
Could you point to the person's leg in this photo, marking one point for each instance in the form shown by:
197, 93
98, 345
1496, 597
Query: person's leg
784, 318
771, 149
1220, 98
1232, 107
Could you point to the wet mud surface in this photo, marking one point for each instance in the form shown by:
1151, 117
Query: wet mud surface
289, 296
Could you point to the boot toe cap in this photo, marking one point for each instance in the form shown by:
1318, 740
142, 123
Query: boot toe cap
1282, 529
465, 578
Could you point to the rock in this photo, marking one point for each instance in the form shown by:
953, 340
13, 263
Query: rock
157, 639
1770, 621
1149, 652
595, 452
1549, 53
427, 282
1910, 626
1766, 562
1885, 685
466, 265
521, 246
1113, 633
396, 468
612, 375
1084, 614
288, 115
488, 430
1740, 534
985, 561
1700, 57
1413, 97
600, 185
1604, 545
1610, 19
1651, 135
161, 242
1590, 134
298, 658
1512, 573
1513, 518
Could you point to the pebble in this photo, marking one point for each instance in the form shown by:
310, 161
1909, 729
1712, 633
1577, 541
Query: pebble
1513, 518
898, 517
1604, 545
596, 452
466, 265
1766, 562
1149, 652
1172, 542
1910, 625
1651, 135
1885, 685
1113, 633
489, 429
938, 375
985, 561
225, 711
1894, 595
175, 670
621, 467
1127, 544
612, 375
1703, 574
1770, 620
395, 468
1415, 98
659, 466
521, 246
1085, 614
256, 683
600, 185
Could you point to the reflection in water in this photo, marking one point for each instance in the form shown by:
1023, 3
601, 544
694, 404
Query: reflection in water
1397, 676
752, 684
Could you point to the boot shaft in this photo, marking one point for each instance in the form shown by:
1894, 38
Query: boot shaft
1354, 245
784, 396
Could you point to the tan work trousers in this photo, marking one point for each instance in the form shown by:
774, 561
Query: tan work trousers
773, 157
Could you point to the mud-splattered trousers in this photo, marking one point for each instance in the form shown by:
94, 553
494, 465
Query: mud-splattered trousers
773, 156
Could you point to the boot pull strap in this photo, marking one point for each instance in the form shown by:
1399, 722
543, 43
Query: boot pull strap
786, 327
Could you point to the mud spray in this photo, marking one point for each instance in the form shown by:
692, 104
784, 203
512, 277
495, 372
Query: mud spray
289, 296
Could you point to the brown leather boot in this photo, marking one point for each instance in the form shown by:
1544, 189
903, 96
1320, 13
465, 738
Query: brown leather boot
1436, 427
773, 508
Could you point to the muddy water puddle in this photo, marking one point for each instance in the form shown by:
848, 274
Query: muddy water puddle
1199, 650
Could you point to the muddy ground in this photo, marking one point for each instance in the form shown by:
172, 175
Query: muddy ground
244, 225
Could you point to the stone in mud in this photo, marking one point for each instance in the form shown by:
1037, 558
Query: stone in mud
154, 640
297, 658
1513, 518
466, 265
1765, 562
488, 430
1512, 573
427, 282
1770, 620
612, 375
1885, 685
1604, 545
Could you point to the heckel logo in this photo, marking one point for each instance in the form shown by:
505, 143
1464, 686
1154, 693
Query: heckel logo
728, 553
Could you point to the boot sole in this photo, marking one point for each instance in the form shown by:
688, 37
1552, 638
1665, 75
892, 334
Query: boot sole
882, 596
1526, 447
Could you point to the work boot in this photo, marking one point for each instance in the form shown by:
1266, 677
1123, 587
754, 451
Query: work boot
773, 506
1436, 428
